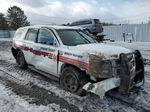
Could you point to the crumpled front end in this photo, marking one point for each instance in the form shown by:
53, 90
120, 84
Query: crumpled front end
124, 72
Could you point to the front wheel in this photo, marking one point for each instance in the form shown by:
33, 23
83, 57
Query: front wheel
73, 80
21, 60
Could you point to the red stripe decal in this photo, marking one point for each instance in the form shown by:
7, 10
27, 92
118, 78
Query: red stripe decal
35, 51
84, 64
50, 55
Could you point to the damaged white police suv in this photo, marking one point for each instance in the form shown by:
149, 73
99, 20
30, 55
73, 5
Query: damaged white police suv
73, 57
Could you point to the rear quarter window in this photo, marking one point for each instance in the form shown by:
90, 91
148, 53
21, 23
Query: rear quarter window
19, 34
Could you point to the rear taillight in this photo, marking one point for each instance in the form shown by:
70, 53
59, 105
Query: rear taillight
97, 26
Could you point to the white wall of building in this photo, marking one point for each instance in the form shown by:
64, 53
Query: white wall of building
139, 32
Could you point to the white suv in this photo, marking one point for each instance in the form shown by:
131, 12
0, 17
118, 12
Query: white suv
73, 57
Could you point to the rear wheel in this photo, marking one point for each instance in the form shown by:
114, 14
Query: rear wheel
21, 60
73, 80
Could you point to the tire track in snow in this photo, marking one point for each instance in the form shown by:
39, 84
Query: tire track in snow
39, 95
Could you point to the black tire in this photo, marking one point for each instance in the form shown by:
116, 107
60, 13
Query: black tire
21, 60
73, 80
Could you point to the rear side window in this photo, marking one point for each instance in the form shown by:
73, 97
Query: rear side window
32, 34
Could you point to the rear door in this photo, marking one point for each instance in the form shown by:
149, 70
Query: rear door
46, 51
28, 45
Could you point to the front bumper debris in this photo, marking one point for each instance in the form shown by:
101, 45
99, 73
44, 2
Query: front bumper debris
100, 88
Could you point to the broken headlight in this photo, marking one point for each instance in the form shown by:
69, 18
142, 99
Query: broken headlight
106, 69
101, 68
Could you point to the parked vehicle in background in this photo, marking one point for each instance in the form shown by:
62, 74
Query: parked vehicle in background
92, 25
73, 57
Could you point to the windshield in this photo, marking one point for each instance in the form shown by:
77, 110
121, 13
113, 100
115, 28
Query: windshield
74, 37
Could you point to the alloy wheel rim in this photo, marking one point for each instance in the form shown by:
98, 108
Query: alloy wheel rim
71, 82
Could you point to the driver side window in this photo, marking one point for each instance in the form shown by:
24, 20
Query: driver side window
45, 37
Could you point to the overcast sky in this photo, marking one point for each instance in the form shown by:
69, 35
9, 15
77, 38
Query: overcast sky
64, 11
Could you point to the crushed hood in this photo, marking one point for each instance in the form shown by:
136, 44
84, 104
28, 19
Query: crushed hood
101, 48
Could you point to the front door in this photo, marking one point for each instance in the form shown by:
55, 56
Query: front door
46, 52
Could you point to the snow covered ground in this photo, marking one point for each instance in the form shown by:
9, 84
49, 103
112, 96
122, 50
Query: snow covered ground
9, 102
28, 91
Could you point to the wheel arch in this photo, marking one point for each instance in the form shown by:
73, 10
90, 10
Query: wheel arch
68, 64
